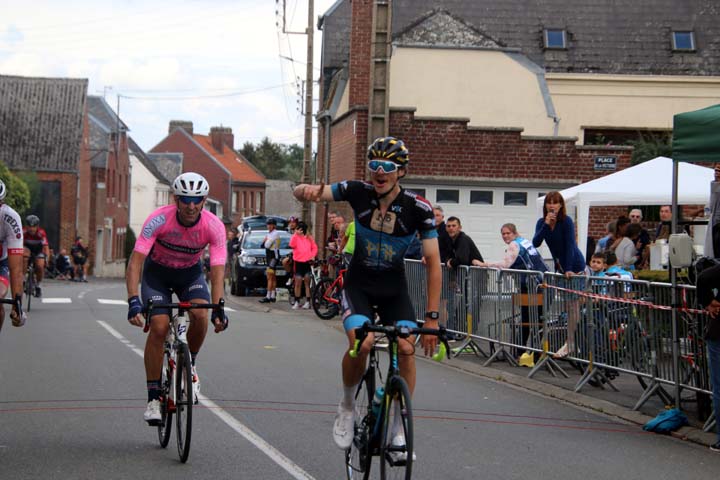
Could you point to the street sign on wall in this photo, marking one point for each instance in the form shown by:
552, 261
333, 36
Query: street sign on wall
607, 162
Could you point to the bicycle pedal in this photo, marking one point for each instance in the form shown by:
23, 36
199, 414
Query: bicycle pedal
154, 423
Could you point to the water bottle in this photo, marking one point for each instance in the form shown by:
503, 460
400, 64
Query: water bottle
377, 401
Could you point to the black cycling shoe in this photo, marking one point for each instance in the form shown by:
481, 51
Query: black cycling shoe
266, 300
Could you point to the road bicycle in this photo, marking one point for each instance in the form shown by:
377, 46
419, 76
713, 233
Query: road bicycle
326, 296
177, 396
30, 283
318, 271
375, 419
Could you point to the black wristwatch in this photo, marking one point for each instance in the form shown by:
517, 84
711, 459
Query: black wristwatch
432, 315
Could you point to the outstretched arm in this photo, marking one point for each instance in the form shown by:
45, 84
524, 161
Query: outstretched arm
431, 253
313, 193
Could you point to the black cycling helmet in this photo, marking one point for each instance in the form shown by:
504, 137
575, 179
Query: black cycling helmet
32, 220
389, 148
271, 221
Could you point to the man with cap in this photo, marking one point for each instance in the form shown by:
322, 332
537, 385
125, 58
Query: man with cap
272, 253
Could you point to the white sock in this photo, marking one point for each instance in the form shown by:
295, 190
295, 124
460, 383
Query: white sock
396, 427
348, 400
273, 294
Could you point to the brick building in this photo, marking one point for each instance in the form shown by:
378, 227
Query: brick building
494, 113
44, 129
237, 188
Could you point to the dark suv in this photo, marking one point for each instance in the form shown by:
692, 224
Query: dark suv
259, 222
248, 266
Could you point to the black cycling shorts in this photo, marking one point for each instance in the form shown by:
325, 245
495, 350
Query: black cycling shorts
302, 269
387, 291
159, 283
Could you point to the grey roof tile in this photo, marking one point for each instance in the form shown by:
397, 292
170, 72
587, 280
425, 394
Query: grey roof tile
41, 122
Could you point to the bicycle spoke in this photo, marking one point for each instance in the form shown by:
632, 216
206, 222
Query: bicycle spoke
358, 458
184, 402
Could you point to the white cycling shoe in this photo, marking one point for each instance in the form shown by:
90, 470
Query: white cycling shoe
344, 427
196, 385
397, 456
152, 413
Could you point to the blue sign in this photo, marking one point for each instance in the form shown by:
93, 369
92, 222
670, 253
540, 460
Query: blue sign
605, 163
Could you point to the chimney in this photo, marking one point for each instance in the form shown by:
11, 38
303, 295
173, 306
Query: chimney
184, 124
222, 136
360, 52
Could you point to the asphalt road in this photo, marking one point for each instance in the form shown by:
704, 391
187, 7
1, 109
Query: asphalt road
72, 395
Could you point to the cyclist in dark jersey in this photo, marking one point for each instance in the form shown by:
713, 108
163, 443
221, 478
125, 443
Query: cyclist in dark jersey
387, 218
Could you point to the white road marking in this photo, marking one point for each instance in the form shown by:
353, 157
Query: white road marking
108, 301
273, 453
56, 300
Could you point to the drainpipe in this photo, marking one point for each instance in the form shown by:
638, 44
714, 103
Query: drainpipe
325, 117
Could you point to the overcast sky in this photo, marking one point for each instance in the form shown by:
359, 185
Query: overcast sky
213, 62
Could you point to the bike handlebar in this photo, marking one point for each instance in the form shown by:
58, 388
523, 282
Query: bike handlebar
394, 332
182, 306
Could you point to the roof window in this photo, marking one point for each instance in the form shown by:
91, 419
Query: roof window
555, 38
683, 41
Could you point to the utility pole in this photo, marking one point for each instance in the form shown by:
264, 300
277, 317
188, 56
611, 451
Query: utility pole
307, 153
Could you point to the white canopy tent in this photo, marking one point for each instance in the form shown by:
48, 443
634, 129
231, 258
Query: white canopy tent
649, 183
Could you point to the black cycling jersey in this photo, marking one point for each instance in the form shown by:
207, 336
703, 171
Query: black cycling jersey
381, 241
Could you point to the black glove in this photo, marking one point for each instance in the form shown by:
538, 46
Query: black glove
135, 306
221, 316
17, 315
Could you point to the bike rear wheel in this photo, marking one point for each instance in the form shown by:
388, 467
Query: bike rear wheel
183, 401
323, 307
396, 460
358, 458
166, 405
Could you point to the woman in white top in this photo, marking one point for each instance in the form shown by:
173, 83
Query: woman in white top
625, 251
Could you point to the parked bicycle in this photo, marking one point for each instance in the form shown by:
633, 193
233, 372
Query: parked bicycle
177, 396
326, 296
378, 409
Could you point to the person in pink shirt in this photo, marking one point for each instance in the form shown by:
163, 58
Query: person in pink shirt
304, 252
168, 252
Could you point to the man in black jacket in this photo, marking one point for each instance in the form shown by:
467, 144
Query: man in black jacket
464, 251
444, 240
708, 295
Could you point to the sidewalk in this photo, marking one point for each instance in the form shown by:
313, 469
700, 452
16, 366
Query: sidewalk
616, 404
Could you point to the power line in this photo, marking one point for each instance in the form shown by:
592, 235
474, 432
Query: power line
198, 97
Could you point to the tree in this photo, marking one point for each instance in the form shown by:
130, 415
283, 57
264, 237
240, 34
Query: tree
276, 161
18, 193
651, 145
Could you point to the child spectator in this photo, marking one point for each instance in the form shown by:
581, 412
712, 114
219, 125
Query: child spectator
597, 264
79, 254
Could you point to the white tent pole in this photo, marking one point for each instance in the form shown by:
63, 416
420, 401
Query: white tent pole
673, 290
583, 220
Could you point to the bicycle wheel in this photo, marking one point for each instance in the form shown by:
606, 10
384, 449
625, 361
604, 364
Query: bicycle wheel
183, 401
29, 286
324, 308
166, 408
396, 460
358, 458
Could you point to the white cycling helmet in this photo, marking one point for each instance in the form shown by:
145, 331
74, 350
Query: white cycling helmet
3, 191
191, 184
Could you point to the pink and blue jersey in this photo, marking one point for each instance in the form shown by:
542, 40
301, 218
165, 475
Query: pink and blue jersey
170, 244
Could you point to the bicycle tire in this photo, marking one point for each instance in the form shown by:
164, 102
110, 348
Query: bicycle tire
396, 401
29, 285
165, 427
322, 307
358, 458
183, 401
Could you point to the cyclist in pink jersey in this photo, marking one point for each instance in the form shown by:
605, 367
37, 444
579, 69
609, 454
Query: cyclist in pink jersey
168, 252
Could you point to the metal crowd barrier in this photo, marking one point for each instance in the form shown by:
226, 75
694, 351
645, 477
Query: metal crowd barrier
603, 325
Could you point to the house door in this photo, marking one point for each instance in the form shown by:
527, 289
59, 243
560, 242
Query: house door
49, 212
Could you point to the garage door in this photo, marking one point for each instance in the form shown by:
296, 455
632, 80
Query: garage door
483, 210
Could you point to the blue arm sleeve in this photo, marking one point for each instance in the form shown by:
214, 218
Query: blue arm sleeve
569, 245
540, 230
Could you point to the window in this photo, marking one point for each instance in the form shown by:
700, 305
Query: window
683, 41
515, 199
555, 38
447, 196
235, 201
481, 197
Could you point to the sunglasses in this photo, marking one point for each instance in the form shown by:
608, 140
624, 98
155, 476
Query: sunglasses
385, 166
188, 200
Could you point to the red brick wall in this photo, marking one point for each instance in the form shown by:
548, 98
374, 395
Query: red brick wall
359, 66
196, 160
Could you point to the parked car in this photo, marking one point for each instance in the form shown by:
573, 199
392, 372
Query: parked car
259, 222
248, 266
